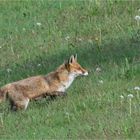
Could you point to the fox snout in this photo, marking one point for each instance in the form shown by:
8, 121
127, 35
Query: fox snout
85, 73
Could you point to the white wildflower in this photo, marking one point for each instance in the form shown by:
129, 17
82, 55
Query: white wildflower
23, 29
67, 38
98, 69
130, 96
9, 70
67, 113
38, 24
84, 105
136, 88
138, 10
38, 65
0, 47
121, 96
101, 81
137, 18
79, 39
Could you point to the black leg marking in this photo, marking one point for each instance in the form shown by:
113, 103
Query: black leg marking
13, 107
58, 93
53, 97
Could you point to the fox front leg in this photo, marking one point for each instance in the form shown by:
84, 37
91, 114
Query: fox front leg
57, 93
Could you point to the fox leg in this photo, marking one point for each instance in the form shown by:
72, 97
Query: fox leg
18, 101
23, 104
57, 93
13, 105
19, 104
53, 97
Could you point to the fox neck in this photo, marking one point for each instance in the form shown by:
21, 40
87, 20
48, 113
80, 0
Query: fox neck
65, 84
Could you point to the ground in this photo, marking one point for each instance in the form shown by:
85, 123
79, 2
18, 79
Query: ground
37, 36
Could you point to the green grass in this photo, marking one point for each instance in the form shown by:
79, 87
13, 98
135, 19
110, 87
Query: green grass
104, 34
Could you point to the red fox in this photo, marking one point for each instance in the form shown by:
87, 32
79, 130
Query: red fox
54, 84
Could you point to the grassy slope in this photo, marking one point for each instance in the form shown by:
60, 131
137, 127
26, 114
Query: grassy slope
103, 34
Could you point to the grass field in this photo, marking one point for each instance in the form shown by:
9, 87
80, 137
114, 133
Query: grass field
37, 36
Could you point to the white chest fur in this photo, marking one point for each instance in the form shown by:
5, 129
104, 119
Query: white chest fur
67, 83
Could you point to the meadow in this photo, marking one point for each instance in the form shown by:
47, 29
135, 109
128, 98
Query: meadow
37, 36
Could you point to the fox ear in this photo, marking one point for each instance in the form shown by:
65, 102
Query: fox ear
75, 57
71, 60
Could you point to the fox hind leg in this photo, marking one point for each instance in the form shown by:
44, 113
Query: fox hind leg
23, 104
19, 104
13, 106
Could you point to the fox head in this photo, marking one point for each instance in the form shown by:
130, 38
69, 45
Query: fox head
74, 67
